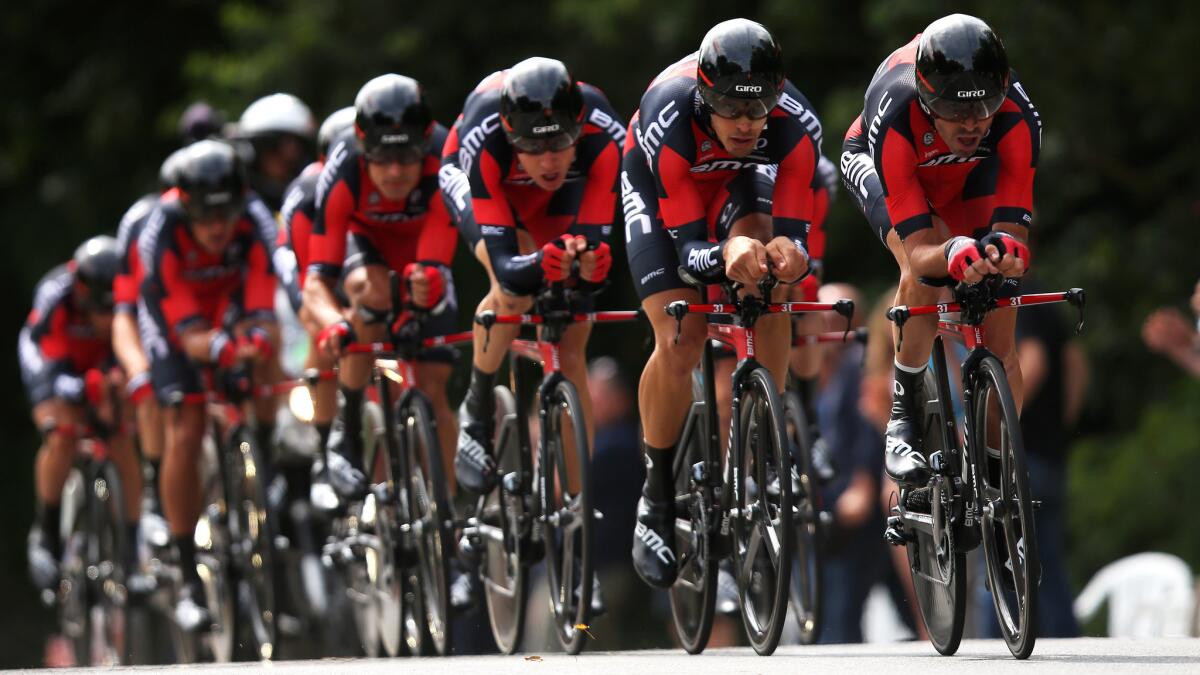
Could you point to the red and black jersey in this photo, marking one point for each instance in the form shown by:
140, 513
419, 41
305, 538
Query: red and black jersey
827, 180
416, 229
918, 173
297, 216
480, 165
58, 341
129, 275
185, 286
690, 166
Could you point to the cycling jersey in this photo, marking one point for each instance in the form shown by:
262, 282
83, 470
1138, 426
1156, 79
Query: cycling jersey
416, 229
299, 210
901, 172
677, 177
58, 343
489, 195
127, 282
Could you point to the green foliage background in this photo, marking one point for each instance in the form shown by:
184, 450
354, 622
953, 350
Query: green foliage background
92, 93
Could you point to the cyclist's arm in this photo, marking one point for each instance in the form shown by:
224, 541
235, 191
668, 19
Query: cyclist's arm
127, 345
685, 217
594, 217
327, 247
518, 274
794, 194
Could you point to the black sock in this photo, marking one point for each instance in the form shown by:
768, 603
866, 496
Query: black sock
659, 486
186, 546
131, 547
479, 393
52, 528
323, 431
905, 398
352, 425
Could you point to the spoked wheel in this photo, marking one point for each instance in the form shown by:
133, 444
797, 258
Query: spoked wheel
251, 527
431, 519
567, 515
504, 532
1009, 541
214, 565
72, 589
385, 578
938, 565
694, 593
806, 567
106, 569
762, 530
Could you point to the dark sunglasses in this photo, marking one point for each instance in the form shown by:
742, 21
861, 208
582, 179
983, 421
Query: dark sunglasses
408, 153
540, 146
733, 108
957, 111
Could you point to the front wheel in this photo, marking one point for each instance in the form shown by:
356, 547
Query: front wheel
762, 526
694, 593
566, 499
1009, 540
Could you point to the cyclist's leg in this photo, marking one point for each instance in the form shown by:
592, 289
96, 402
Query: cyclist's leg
147, 413
573, 350
324, 393
488, 360
433, 377
53, 464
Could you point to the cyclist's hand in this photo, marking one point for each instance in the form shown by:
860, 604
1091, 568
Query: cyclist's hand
332, 337
745, 260
965, 260
556, 260
595, 264
255, 345
222, 350
1010, 255
788, 259
426, 284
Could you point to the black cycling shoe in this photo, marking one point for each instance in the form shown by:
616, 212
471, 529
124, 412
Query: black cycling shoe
473, 463
43, 564
191, 611
902, 459
654, 543
348, 483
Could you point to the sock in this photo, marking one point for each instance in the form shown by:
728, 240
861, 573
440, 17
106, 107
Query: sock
323, 431
479, 393
52, 528
352, 422
659, 485
131, 547
904, 391
186, 546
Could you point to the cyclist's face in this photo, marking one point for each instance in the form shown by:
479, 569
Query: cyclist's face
547, 169
394, 178
964, 136
739, 135
213, 234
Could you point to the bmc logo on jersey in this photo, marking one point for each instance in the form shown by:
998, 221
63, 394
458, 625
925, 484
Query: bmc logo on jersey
751, 88
473, 140
972, 93
548, 129
651, 137
703, 259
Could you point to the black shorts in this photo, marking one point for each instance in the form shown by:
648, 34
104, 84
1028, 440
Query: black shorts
653, 261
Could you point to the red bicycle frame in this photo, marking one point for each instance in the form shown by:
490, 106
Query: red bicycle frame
547, 352
970, 330
741, 338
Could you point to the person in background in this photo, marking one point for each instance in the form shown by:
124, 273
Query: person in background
279, 132
1168, 332
198, 122
1055, 381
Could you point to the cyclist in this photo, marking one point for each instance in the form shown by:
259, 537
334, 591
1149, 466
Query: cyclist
941, 163
278, 130
379, 213
207, 299
292, 257
531, 164
65, 349
707, 183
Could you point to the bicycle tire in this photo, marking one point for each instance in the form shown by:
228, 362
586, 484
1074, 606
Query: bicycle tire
1013, 586
429, 513
214, 564
765, 525
108, 617
505, 516
253, 527
567, 523
805, 587
73, 582
939, 568
694, 593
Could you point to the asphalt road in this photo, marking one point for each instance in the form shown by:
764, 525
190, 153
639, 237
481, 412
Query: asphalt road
1050, 656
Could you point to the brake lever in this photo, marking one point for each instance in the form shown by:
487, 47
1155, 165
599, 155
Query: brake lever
678, 310
487, 319
845, 308
1078, 298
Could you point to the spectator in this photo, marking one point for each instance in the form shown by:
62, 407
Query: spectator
1169, 332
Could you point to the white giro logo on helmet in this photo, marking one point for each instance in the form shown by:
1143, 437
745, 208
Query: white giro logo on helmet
972, 93
393, 138
548, 129
752, 88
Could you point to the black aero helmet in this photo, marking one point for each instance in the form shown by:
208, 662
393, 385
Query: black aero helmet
740, 70
340, 121
961, 68
541, 106
95, 263
168, 173
393, 119
211, 181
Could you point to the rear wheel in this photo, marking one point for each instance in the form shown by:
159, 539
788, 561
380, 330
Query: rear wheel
109, 548
936, 562
806, 566
567, 516
504, 531
762, 530
1009, 540
694, 593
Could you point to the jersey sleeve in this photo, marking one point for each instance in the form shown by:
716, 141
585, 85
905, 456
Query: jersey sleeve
896, 166
334, 204
794, 194
258, 293
1018, 150
438, 238
597, 208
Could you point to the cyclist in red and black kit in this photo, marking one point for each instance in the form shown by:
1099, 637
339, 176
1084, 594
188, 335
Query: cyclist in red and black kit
709, 185
207, 299
379, 212
292, 257
941, 162
529, 174
65, 352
